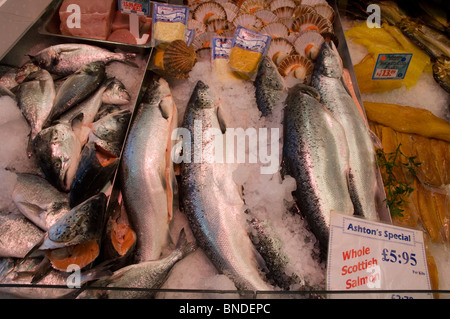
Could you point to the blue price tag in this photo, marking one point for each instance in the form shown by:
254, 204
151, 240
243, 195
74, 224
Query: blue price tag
391, 66
141, 7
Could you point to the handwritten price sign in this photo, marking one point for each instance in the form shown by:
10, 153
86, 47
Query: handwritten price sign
366, 255
391, 66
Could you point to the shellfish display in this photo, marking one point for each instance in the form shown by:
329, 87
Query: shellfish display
297, 28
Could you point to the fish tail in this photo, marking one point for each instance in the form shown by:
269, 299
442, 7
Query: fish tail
183, 245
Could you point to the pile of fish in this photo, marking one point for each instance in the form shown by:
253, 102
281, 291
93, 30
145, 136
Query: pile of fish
327, 148
78, 117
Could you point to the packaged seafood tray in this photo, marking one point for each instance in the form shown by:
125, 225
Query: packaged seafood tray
105, 24
173, 226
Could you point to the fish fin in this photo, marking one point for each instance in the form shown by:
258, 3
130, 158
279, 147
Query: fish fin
183, 244
43, 269
375, 140
32, 209
222, 120
34, 248
165, 109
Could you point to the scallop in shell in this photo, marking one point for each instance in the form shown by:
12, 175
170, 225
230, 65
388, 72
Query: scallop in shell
231, 9
312, 21
284, 12
326, 11
250, 6
297, 66
208, 11
219, 26
275, 30
308, 44
203, 40
249, 21
302, 10
275, 4
179, 59
288, 22
279, 49
266, 16
198, 26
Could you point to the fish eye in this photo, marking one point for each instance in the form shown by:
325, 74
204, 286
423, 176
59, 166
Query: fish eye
57, 165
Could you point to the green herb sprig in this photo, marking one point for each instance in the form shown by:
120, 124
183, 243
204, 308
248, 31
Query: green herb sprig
397, 193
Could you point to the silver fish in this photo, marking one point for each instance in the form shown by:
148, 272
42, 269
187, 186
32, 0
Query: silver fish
116, 93
100, 156
57, 150
269, 85
363, 181
144, 275
77, 87
212, 201
8, 76
39, 201
17, 235
315, 153
65, 59
35, 98
106, 109
83, 114
147, 177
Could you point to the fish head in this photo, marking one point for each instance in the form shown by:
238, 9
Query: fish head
116, 93
202, 98
57, 151
46, 58
112, 127
82, 223
329, 62
272, 78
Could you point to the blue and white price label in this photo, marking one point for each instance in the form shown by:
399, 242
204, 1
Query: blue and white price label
141, 7
367, 255
391, 66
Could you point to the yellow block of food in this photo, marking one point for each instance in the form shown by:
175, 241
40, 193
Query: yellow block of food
244, 61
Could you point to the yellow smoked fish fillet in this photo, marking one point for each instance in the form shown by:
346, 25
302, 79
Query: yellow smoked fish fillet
407, 119
387, 39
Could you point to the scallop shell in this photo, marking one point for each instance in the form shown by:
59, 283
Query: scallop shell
250, 6
280, 48
288, 22
298, 66
219, 26
208, 11
284, 12
275, 4
308, 44
326, 11
198, 26
179, 59
249, 21
231, 9
312, 3
275, 30
312, 21
302, 10
203, 40
266, 16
